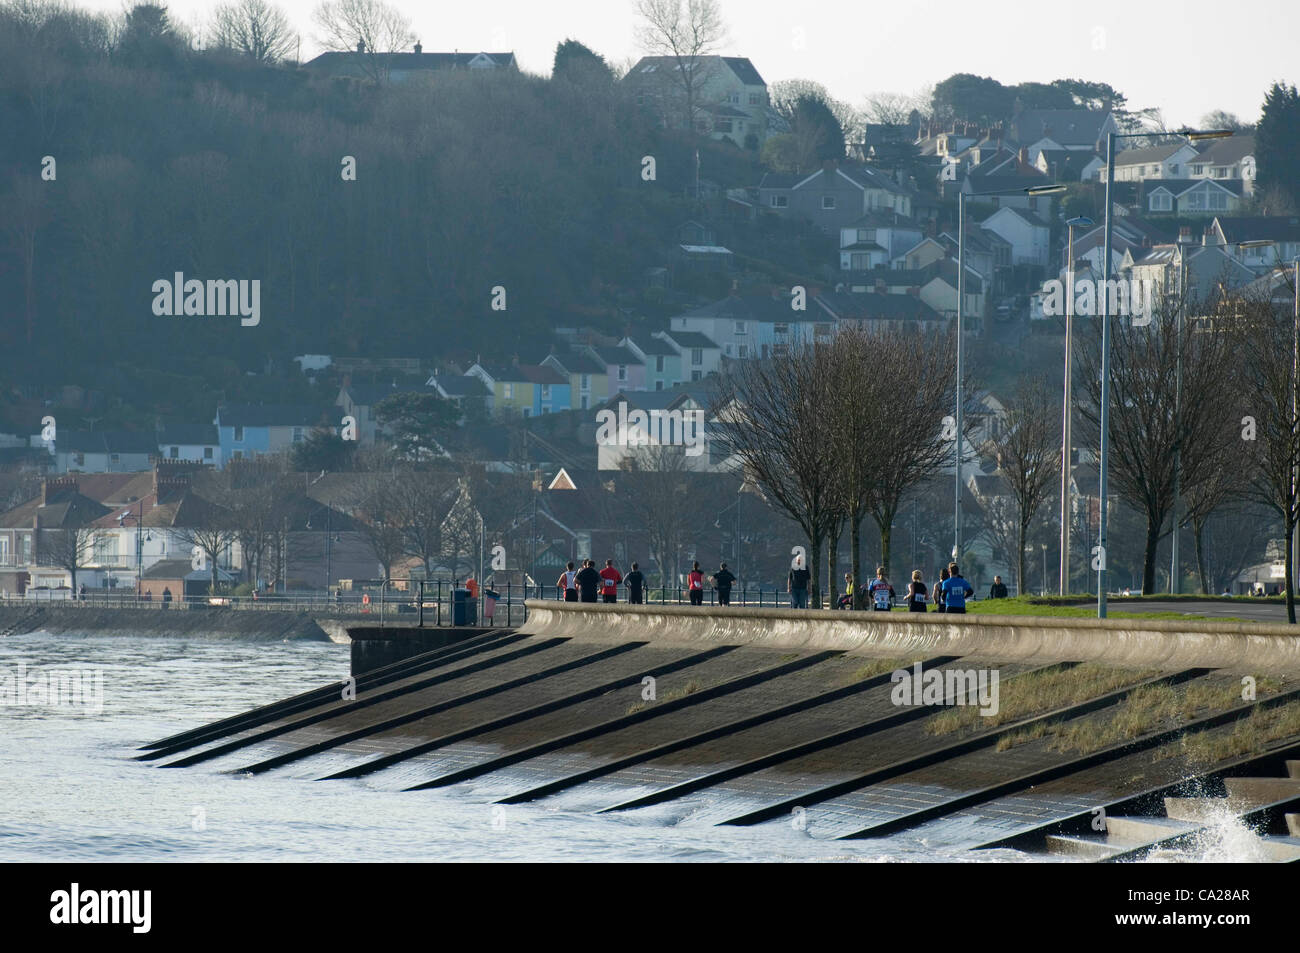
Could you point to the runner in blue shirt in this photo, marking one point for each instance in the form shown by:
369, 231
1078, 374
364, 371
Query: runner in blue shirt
956, 590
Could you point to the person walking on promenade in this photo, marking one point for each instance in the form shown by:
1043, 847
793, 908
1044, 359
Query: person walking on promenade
695, 583
797, 585
881, 592
916, 593
999, 588
588, 581
635, 582
938, 591
846, 600
610, 577
722, 580
567, 585
956, 590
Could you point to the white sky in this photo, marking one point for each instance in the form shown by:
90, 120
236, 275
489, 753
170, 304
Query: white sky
1184, 56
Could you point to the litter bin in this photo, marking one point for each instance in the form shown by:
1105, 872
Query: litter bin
464, 610
490, 597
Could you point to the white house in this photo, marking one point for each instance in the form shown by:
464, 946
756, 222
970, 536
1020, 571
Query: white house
1026, 233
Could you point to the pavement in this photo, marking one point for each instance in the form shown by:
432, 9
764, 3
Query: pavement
1250, 611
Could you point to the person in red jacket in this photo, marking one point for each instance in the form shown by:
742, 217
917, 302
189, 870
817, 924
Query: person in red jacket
695, 583
610, 578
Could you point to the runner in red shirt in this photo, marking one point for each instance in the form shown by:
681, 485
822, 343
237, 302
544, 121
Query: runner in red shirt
610, 578
695, 584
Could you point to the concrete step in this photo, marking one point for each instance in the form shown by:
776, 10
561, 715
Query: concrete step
1126, 832
1293, 824
1200, 810
1083, 847
1281, 849
1253, 792
1293, 769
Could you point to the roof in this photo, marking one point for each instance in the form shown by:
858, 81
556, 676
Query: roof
690, 339
541, 374
461, 385
744, 70
168, 569
871, 307
778, 180
351, 62
616, 355
1066, 126
652, 346
1245, 228
1148, 154
1227, 151
105, 441
577, 362
271, 415
188, 434
741, 66
1181, 186
1023, 213
878, 219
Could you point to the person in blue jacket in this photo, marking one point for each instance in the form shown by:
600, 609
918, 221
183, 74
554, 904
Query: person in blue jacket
956, 590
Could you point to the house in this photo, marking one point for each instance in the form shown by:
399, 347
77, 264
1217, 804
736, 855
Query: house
1169, 161
518, 389
986, 251
1027, 234
588, 377
752, 324
672, 418
730, 97
1009, 174
251, 430
1191, 196
461, 390
401, 68
876, 239
192, 443
1131, 234
700, 357
877, 313
663, 364
934, 285
1231, 158
1282, 230
1210, 270
836, 195
1070, 165
1038, 130
551, 389
359, 402
103, 451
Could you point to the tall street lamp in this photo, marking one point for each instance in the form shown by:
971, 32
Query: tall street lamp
1068, 411
1033, 190
1104, 456
139, 543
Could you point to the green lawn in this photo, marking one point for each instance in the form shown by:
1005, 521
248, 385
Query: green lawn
1032, 605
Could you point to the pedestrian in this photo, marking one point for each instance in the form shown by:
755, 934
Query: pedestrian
83, 592
610, 578
722, 580
881, 592
938, 591
999, 588
695, 584
956, 590
566, 584
916, 593
167, 596
588, 581
797, 585
846, 600
635, 582
472, 585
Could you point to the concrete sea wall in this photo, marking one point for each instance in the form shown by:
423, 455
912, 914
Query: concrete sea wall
1250, 648
209, 623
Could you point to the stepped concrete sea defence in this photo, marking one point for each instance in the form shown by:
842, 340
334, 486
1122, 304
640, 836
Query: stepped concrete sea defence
1248, 648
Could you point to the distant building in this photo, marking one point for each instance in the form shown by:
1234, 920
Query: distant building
400, 68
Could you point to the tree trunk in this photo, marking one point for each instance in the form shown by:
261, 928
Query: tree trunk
886, 532
1198, 539
1020, 559
1290, 583
833, 565
855, 555
1149, 557
814, 583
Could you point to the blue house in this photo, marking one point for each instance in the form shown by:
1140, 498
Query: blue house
251, 430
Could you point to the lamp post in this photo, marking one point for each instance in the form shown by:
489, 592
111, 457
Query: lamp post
1103, 464
1068, 405
139, 543
1044, 546
1034, 190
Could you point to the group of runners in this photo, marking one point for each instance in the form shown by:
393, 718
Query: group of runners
588, 584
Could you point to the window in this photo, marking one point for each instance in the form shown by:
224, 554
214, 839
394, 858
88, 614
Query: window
239, 435
742, 350
659, 363
79, 459
659, 385
755, 99
722, 125
114, 458
1220, 172
528, 411
508, 391
726, 349
586, 383
864, 235
780, 201
207, 453
4, 551
1198, 168
1173, 169
1196, 200
740, 327
297, 435
106, 549
622, 372
1161, 202
696, 375
237, 455
734, 99
584, 401
697, 355
1218, 201
25, 549
828, 202
546, 392
174, 452
780, 329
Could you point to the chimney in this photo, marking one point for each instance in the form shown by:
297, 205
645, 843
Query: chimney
1024, 154
54, 488
361, 46
418, 48
1185, 235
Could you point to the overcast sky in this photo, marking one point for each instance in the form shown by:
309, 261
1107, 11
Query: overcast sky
1185, 57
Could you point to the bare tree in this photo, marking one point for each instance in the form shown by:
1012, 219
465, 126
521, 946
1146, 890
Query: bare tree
253, 28
68, 548
656, 486
1028, 454
212, 535
687, 31
372, 28
1271, 430
785, 438
889, 109
421, 501
373, 503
